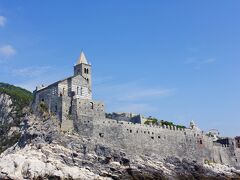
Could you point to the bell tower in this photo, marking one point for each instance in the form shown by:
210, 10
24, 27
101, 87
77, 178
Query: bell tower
84, 69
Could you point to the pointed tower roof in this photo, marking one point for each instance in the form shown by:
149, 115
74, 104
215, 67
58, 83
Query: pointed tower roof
82, 59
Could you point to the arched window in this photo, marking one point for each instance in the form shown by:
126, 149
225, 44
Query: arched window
91, 103
87, 71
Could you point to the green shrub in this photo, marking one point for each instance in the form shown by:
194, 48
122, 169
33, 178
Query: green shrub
21, 97
43, 107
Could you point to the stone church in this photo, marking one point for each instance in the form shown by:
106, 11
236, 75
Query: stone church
70, 95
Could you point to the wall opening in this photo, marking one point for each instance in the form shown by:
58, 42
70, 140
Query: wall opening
130, 131
101, 135
91, 103
200, 141
56, 108
152, 137
159, 137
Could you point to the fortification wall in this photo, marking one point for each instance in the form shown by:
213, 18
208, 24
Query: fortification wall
226, 155
153, 140
148, 140
237, 152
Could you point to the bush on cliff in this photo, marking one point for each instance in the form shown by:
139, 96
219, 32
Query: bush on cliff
20, 97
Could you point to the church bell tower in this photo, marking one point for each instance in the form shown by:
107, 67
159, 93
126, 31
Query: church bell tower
84, 69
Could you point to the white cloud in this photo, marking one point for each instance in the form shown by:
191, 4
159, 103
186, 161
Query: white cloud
138, 108
198, 63
208, 61
3, 21
102, 79
30, 71
7, 51
132, 97
147, 93
133, 91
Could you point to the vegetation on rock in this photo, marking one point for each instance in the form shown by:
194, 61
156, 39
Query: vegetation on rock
155, 121
21, 99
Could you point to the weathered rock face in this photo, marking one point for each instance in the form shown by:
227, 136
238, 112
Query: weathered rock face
43, 151
5, 109
9, 129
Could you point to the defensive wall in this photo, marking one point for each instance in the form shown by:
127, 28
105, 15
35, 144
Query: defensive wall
163, 141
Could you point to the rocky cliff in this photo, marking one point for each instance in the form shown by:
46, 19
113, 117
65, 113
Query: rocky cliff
14, 105
43, 151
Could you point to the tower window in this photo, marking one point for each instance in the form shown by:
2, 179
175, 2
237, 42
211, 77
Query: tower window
86, 70
91, 105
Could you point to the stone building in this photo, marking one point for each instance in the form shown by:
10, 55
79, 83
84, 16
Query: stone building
71, 100
237, 139
61, 96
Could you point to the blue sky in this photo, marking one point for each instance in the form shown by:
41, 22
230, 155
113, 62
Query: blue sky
174, 60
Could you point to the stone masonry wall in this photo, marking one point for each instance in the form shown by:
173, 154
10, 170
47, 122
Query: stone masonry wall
153, 140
